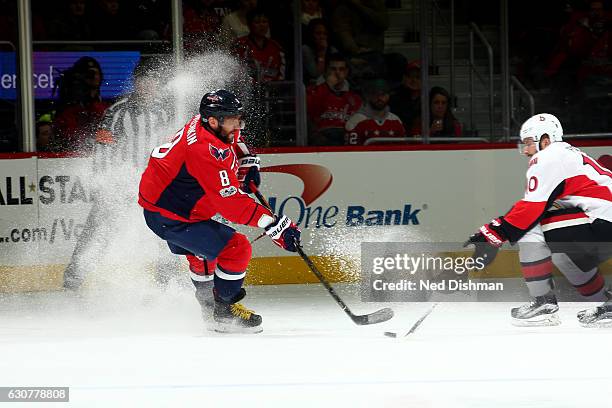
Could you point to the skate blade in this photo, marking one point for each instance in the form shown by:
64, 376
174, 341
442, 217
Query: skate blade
229, 328
538, 321
598, 324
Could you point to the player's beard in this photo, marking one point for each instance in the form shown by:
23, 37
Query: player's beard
221, 135
218, 132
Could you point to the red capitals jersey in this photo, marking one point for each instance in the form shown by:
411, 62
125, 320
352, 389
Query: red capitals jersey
567, 176
267, 62
364, 125
328, 109
193, 178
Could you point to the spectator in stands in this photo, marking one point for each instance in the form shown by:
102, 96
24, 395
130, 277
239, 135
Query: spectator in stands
405, 100
45, 138
579, 67
311, 10
110, 22
235, 24
315, 51
359, 27
598, 61
264, 56
73, 23
331, 103
202, 25
374, 119
442, 122
150, 18
576, 39
80, 106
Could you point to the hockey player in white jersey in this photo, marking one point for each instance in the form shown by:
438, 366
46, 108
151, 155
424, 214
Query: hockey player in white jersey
564, 178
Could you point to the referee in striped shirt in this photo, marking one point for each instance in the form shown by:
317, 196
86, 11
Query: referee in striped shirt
129, 130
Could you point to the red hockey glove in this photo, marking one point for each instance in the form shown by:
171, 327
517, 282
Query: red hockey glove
284, 233
487, 241
248, 171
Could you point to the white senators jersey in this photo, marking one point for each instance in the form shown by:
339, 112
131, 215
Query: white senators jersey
564, 174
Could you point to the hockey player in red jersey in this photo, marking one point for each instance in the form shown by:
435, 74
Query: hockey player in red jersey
191, 179
562, 175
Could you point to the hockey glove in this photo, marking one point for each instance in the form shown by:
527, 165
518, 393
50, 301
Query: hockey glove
487, 241
248, 171
284, 233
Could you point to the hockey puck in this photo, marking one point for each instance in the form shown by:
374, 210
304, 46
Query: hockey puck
390, 334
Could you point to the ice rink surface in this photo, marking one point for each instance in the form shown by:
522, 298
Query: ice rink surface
149, 349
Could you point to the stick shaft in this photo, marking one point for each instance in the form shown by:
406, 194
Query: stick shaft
377, 317
322, 279
308, 261
418, 322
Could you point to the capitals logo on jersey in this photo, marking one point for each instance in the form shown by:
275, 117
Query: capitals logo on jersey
219, 154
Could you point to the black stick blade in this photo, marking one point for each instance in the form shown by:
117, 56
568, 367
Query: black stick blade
379, 316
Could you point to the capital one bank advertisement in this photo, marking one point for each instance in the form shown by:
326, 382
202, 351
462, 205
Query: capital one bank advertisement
338, 199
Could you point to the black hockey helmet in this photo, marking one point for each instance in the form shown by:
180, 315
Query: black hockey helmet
220, 103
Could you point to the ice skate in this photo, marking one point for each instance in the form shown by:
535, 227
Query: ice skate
206, 299
232, 317
542, 311
600, 316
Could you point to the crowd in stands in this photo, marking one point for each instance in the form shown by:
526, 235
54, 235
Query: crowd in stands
354, 91
563, 51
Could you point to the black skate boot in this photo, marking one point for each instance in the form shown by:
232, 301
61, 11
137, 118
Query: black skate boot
542, 311
206, 299
600, 316
232, 317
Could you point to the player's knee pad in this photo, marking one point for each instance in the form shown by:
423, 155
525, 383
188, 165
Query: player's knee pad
530, 252
533, 247
536, 264
236, 254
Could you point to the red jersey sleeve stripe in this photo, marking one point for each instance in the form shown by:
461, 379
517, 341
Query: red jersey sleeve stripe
525, 213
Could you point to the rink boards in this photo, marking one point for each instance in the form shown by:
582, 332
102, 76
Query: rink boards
338, 198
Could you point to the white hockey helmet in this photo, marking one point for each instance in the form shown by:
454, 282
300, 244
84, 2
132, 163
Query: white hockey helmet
539, 125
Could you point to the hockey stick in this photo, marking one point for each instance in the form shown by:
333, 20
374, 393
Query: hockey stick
379, 316
415, 325
418, 322
72, 277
